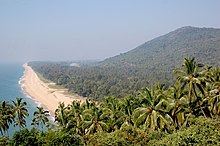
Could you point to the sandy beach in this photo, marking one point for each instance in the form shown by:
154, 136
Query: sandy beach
40, 91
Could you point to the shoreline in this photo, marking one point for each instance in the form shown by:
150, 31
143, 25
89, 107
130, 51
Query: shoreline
40, 92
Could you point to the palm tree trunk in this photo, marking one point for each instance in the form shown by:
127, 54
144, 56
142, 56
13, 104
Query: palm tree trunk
190, 92
194, 89
202, 111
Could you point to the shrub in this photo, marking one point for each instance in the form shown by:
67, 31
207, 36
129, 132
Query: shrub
202, 131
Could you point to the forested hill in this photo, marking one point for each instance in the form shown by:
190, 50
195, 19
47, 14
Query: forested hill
143, 66
168, 51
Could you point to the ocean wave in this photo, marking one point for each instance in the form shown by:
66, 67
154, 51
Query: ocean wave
21, 83
37, 103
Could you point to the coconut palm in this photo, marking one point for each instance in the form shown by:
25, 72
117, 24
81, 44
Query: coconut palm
75, 118
177, 104
6, 116
61, 115
114, 108
152, 114
128, 105
213, 90
40, 117
3, 125
95, 120
192, 76
20, 112
88, 104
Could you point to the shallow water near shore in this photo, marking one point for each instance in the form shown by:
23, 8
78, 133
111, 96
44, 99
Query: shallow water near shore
11, 88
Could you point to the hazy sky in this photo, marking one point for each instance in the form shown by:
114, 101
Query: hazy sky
93, 29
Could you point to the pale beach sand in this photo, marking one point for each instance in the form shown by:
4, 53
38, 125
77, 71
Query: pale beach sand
39, 91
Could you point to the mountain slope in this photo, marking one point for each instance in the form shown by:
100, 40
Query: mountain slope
168, 51
143, 66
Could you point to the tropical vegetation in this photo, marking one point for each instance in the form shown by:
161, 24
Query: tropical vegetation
184, 113
143, 66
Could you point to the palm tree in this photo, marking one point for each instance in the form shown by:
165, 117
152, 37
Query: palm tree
128, 105
177, 104
152, 114
113, 106
213, 90
61, 115
95, 120
6, 116
20, 112
40, 117
190, 75
3, 125
75, 118
88, 104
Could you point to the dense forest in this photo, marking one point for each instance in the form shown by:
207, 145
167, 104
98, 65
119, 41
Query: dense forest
95, 82
184, 113
167, 51
145, 65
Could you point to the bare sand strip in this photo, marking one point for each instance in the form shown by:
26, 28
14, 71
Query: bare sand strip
40, 91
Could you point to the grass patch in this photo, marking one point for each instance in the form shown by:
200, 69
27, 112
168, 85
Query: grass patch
42, 78
55, 86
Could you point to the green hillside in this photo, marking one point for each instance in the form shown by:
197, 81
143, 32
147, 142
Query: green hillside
143, 66
169, 50
185, 113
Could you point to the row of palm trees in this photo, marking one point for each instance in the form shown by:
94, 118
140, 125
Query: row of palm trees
16, 114
195, 93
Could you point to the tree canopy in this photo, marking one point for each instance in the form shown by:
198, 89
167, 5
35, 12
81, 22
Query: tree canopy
185, 113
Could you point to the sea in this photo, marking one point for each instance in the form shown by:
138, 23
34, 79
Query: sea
11, 87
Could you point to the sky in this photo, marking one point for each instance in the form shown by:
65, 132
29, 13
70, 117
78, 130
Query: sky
64, 30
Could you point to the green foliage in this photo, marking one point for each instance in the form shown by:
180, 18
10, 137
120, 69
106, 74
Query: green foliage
124, 137
185, 113
4, 141
48, 138
143, 66
25, 137
20, 112
166, 52
155, 112
41, 118
202, 131
94, 82
55, 138
6, 116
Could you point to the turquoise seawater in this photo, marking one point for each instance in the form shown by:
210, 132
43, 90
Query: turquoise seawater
10, 89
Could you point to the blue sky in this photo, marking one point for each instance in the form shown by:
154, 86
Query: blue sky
93, 29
